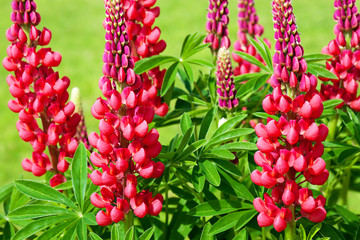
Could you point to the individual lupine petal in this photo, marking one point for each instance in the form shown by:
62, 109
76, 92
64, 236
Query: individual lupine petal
318, 215
282, 166
300, 163
280, 221
158, 170
267, 180
103, 219
264, 145
308, 205
95, 177
317, 167
264, 220
319, 179
141, 210
116, 215
261, 130
155, 207
256, 177
312, 133
98, 201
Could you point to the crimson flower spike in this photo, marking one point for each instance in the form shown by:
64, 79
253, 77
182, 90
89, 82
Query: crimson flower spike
125, 144
145, 42
290, 149
248, 27
216, 26
345, 61
225, 81
39, 93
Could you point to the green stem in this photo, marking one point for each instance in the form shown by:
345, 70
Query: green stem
263, 233
345, 186
333, 128
199, 91
129, 221
166, 208
290, 230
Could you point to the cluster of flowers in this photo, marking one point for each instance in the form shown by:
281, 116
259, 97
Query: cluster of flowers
345, 61
144, 41
290, 149
39, 93
225, 81
216, 26
125, 144
248, 27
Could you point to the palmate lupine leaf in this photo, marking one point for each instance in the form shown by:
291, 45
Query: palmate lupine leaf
37, 210
221, 154
263, 50
169, 78
229, 124
226, 222
146, 64
320, 71
211, 173
206, 122
251, 59
332, 103
315, 57
246, 217
147, 234
205, 232
185, 123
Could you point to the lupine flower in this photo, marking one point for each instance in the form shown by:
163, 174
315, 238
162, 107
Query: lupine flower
81, 132
125, 144
145, 42
225, 81
345, 61
248, 27
216, 26
290, 149
39, 93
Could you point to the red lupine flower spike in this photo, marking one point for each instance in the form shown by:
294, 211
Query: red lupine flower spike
294, 141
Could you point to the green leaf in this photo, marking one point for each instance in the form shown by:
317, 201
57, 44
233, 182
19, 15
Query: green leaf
42, 192
242, 235
17, 199
219, 154
302, 232
117, 231
94, 236
81, 230
210, 172
313, 231
337, 145
259, 48
64, 186
192, 44
5, 191
70, 233
194, 100
246, 217
130, 234
228, 166
38, 225
205, 232
329, 231
357, 235
79, 173
189, 72
229, 124
251, 59
197, 179
316, 57
248, 76
217, 207
260, 82
185, 139
169, 78
200, 62
33, 211
332, 103
181, 193
240, 189
349, 217
320, 71
265, 115
90, 219
190, 149
226, 222
268, 53
238, 146
54, 231
185, 123
228, 136
146, 64
147, 234
246, 87
206, 122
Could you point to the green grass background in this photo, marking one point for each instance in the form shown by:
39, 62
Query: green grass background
78, 35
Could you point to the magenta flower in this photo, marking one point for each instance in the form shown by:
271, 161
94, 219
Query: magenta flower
225, 81
216, 26
248, 27
145, 42
125, 144
290, 149
39, 93
345, 61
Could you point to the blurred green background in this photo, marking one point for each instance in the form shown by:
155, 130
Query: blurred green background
79, 36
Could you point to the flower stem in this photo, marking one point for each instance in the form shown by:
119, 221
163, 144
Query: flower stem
263, 233
290, 230
345, 186
129, 221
